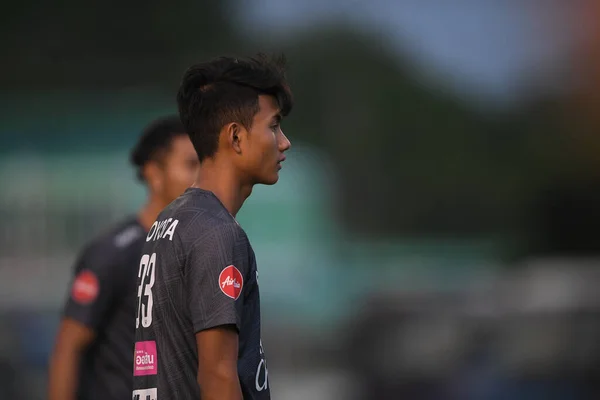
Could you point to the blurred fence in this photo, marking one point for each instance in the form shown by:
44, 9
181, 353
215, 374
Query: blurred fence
345, 317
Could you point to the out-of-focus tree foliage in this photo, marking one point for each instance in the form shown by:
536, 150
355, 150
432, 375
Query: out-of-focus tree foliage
410, 158
108, 44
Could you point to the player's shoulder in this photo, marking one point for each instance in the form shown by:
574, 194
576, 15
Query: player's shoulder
198, 211
212, 229
115, 241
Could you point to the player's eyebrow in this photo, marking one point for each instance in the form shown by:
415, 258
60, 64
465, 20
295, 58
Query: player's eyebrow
277, 117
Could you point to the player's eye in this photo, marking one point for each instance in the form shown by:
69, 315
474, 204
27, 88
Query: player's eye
275, 128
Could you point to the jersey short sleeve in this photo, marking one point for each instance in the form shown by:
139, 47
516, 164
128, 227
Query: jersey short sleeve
94, 288
217, 266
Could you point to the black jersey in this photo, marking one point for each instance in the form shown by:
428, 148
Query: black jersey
197, 271
102, 297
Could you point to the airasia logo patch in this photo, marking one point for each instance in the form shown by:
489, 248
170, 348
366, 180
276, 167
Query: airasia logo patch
231, 282
85, 288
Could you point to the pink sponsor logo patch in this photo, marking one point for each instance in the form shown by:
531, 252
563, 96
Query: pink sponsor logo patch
146, 359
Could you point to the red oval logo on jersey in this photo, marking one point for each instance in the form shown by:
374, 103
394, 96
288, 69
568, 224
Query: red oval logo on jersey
231, 282
85, 288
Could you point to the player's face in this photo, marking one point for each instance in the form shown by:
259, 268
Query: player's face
266, 143
179, 168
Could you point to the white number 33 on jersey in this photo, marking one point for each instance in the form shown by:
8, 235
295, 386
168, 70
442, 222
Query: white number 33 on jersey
144, 296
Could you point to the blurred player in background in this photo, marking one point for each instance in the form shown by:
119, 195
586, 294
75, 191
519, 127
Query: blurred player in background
198, 326
93, 355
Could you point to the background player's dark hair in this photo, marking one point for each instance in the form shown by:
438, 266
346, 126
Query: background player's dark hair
225, 90
154, 141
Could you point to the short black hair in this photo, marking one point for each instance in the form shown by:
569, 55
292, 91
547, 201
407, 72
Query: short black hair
226, 89
156, 138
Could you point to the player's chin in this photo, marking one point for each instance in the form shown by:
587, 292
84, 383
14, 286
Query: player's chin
270, 179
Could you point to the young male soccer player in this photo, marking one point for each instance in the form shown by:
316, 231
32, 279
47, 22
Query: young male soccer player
198, 327
93, 355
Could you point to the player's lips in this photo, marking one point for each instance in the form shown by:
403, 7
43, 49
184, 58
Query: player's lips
281, 159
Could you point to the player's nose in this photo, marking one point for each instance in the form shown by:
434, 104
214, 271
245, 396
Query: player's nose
284, 143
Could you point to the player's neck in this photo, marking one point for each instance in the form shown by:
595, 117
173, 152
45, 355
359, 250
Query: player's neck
148, 214
224, 184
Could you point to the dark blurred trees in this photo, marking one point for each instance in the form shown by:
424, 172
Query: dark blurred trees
411, 159
414, 160
103, 44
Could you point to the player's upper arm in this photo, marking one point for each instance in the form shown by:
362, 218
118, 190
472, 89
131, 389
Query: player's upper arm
218, 351
96, 284
217, 266
73, 335
217, 363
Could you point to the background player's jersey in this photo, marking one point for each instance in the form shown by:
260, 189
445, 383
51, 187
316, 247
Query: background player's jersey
102, 297
197, 272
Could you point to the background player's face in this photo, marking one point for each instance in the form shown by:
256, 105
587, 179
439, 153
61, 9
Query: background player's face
178, 169
265, 143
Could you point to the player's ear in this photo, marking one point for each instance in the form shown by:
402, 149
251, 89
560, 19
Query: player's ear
153, 176
235, 136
